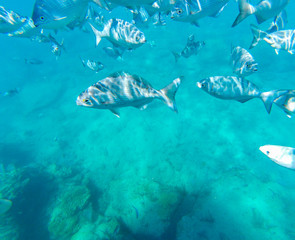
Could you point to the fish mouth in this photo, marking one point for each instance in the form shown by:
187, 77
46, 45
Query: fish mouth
199, 85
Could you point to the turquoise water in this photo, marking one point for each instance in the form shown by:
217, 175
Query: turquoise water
77, 173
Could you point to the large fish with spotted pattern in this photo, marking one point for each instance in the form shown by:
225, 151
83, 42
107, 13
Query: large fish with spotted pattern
126, 90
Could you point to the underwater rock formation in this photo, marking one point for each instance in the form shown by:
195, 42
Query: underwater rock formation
144, 208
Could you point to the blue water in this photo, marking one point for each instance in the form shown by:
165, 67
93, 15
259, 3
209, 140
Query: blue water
76, 173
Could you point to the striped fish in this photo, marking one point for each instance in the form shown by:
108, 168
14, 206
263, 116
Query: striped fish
125, 90
239, 89
120, 33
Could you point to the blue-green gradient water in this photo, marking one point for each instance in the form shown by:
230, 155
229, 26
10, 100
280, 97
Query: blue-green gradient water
83, 174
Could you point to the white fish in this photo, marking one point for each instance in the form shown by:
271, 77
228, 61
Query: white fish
120, 33
264, 10
239, 89
243, 63
284, 156
5, 205
280, 40
287, 102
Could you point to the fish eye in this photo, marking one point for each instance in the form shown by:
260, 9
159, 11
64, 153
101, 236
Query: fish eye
137, 38
203, 85
179, 11
267, 152
42, 18
86, 101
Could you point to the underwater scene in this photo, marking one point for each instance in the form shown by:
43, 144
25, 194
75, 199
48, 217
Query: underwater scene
147, 120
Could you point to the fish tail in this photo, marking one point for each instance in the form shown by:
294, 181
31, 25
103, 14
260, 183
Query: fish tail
168, 93
269, 97
176, 56
97, 34
258, 35
246, 9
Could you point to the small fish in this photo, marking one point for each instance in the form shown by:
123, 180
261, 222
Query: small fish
56, 50
279, 22
284, 156
132, 4
192, 48
243, 63
93, 65
280, 40
239, 89
114, 52
264, 10
120, 33
10, 93
10, 21
287, 102
5, 205
33, 61
57, 14
124, 90
193, 10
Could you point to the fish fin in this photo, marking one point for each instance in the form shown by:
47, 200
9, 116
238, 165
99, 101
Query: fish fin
97, 34
244, 100
176, 56
291, 51
142, 107
258, 35
156, 4
217, 13
269, 97
82, 62
116, 112
260, 19
277, 51
168, 93
246, 9
195, 23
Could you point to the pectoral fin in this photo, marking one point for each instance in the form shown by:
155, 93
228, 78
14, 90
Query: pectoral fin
116, 112
243, 100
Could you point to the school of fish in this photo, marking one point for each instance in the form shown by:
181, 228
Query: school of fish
123, 89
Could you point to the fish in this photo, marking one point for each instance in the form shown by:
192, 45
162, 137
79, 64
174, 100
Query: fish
27, 30
5, 205
239, 89
10, 21
280, 40
33, 61
57, 14
192, 48
120, 33
193, 10
114, 52
287, 102
122, 89
93, 65
243, 63
284, 156
10, 93
263, 11
279, 22
56, 49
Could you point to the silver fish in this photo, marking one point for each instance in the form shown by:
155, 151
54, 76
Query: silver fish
192, 48
120, 33
114, 52
10, 93
93, 65
5, 205
239, 89
279, 22
243, 63
33, 61
287, 102
193, 10
57, 14
10, 21
280, 40
27, 30
264, 10
284, 156
124, 90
